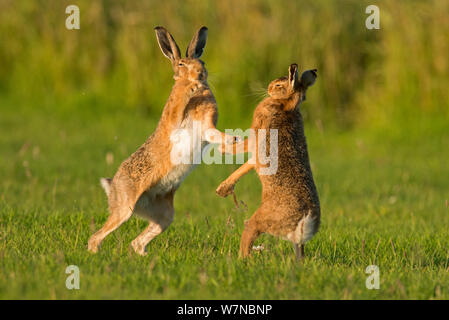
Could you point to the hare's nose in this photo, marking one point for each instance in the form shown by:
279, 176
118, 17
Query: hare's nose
200, 74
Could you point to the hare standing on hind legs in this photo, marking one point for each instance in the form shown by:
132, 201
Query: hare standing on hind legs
146, 182
290, 207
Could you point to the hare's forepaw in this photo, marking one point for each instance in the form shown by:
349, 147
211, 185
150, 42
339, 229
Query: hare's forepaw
92, 246
226, 148
225, 189
194, 89
231, 140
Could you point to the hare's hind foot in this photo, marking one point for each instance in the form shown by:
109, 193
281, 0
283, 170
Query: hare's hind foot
139, 248
118, 216
152, 231
159, 212
249, 235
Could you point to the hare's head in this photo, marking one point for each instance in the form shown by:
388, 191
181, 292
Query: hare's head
286, 87
191, 67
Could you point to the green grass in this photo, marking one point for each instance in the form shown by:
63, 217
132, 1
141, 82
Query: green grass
69, 100
382, 191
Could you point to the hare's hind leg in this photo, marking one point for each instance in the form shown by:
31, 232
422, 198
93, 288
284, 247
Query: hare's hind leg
117, 217
160, 213
121, 207
299, 251
249, 235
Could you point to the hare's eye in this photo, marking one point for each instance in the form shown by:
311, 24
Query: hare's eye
180, 64
277, 85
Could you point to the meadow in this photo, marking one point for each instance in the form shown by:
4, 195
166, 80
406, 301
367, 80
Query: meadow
74, 104
384, 202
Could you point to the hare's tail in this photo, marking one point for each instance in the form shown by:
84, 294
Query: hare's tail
310, 226
106, 184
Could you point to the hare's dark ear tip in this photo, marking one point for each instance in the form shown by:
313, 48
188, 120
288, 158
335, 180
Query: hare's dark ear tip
293, 68
203, 30
159, 28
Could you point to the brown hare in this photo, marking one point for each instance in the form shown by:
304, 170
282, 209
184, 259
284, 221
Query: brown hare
290, 206
146, 182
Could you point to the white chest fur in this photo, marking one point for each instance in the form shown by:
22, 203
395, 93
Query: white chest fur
172, 179
185, 155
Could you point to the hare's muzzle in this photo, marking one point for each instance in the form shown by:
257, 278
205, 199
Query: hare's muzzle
197, 74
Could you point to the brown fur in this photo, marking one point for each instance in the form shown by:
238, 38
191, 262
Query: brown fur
290, 206
146, 182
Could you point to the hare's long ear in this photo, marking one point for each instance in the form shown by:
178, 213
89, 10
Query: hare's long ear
197, 44
293, 75
308, 78
167, 44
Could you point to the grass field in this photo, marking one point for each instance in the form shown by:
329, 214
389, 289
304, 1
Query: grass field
75, 103
383, 193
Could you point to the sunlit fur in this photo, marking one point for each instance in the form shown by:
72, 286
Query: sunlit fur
280, 89
146, 182
290, 206
190, 69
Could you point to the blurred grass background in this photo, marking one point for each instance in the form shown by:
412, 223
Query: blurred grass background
113, 61
75, 103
